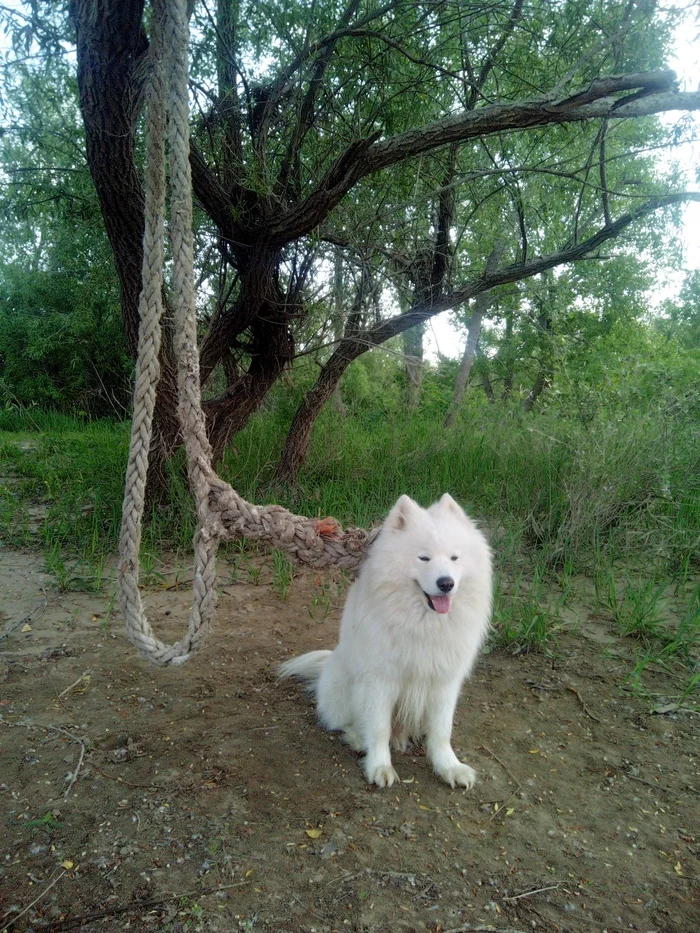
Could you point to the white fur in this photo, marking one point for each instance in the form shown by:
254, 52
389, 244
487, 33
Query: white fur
398, 668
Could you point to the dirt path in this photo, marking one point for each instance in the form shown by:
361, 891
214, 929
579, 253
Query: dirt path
206, 798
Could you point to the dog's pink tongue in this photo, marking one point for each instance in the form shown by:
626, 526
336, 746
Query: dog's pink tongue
441, 604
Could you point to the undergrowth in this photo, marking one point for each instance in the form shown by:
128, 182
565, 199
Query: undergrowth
617, 501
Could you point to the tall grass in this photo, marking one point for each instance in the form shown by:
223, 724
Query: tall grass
572, 496
617, 500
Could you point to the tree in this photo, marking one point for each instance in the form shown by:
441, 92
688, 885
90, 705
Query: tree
324, 131
61, 341
480, 309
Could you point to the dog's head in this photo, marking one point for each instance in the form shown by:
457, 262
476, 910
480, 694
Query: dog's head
430, 549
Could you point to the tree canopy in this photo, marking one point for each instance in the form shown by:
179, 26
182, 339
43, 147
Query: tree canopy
354, 166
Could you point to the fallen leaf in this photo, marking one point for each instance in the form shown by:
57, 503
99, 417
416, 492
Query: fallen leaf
314, 833
67, 864
510, 811
26, 627
678, 868
249, 872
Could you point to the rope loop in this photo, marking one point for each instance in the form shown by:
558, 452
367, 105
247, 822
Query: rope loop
221, 512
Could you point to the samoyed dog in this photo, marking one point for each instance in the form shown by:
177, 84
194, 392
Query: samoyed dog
414, 621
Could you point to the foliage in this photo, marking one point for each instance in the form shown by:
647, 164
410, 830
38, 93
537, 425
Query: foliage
61, 338
61, 344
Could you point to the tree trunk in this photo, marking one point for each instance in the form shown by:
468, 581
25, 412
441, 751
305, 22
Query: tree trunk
481, 306
541, 383
465, 364
296, 445
509, 360
351, 346
271, 350
413, 360
338, 323
546, 371
112, 55
488, 388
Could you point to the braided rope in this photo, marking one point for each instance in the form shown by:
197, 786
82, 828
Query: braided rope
221, 512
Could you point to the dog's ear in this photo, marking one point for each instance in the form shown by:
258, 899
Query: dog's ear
401, 514
448, 505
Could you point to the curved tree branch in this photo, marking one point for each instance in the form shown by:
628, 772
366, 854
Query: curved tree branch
654, 93
354, 345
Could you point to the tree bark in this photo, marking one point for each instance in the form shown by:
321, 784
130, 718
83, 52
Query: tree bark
338, 324
481, 306
112, 53
298, 439
546, 371
413, 361
271, 350
509, 362
488, 388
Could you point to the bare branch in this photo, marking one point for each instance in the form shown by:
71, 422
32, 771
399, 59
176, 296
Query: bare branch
487, 67
306, 114
513, 273
604, 194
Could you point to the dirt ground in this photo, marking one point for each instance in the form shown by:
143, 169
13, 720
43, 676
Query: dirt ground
205, 797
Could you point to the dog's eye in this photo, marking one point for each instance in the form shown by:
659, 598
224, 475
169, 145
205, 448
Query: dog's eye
454, 557
423, 558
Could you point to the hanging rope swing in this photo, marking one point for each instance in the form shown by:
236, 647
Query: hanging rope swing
221, 512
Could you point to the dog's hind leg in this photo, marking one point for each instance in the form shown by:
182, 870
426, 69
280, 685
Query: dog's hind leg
400, 738
333, 696
439, 716
354, 739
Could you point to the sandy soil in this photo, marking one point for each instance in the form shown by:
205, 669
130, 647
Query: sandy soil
205, 797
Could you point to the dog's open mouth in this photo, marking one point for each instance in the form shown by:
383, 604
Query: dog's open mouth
439, 604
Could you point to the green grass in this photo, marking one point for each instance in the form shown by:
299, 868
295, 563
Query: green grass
526, 614
569, 495
556, 499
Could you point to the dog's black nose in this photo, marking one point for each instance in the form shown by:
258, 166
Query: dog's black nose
445, 584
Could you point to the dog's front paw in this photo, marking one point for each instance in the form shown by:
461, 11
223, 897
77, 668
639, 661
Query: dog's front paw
458, 775
382, 775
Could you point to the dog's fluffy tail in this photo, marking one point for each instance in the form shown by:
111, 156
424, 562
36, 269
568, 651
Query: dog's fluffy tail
306, 667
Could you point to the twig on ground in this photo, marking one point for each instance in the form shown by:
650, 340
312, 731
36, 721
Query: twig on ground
510, 774
75, 738
84, 676
582, 702
34, 725
74, 775
121, 780
304, 906
482, 929
549, 887
667, 790
344, 879
29, 906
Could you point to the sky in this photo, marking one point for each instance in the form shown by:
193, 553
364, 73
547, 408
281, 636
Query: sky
442, 339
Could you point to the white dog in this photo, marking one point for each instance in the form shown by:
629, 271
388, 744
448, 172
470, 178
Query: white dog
413, 624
